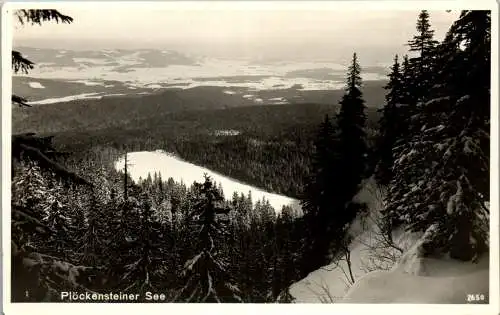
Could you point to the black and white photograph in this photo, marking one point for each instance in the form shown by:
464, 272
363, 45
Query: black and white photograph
250, 152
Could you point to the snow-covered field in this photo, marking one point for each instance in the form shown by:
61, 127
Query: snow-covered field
70, 98
155, 69
71, 74
168, 165
186, 77
67, 98
89, 83
229, 132
36, 85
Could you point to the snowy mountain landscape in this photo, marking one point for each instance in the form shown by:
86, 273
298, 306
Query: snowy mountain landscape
96, 74
253, 175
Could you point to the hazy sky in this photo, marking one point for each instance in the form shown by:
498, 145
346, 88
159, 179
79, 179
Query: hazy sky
317, 33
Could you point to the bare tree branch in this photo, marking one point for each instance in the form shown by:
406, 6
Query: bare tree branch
324, 295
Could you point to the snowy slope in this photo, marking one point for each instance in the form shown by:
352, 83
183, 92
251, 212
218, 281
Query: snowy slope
329, 283
405, 278
439, 281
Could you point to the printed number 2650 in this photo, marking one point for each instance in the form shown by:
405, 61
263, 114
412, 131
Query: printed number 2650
475, 297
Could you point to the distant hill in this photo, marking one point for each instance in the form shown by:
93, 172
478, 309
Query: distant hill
119, 58
67, 73
94, 114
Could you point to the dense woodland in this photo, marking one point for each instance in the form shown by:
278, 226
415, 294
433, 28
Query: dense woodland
78, 224
283, 134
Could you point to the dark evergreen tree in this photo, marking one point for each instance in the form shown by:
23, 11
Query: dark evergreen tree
160, 187
351, 167
409, 97
58, 219
141, 271
390, 124
207, 279
125, 177
41, 264
339, 166
441, 174
93, 242
285, 263
320, 198
323, 171
407, 81
424, 45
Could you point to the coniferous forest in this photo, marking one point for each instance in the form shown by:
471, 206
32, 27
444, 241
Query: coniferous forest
79, 225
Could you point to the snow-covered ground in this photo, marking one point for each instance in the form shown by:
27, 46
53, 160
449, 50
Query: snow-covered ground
67, 98
89, 83
155, 70
330, 283
438, 281
36, 85
229, 132
70, 98
96, 61
278, 100
144, 163
207, 72
405, 278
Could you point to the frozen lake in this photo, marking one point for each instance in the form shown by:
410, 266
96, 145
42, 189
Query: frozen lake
169, 165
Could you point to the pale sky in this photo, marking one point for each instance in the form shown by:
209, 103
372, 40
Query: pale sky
228, 31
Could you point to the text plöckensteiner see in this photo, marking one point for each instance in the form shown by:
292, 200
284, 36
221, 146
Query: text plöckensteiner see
72, 296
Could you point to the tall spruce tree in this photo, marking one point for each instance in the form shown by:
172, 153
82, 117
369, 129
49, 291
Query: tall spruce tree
351, 166
351, 143
207, 277
339, 165
417, 78
317, 197
441, 183
424, 44
407, 74
143, 258
320, 198
390, 124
